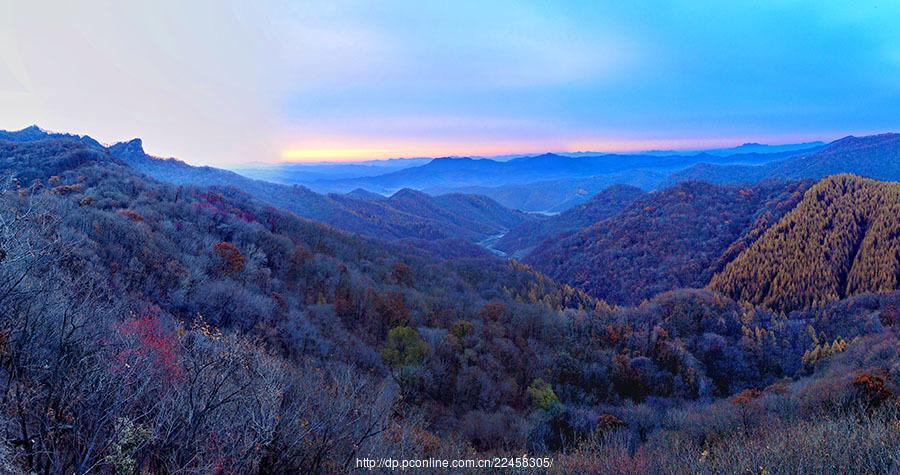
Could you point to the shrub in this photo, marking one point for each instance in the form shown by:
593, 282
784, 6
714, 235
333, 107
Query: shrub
542, 396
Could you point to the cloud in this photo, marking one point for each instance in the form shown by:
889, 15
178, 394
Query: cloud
229, 81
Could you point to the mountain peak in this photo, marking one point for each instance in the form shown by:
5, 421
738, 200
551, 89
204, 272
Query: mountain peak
869, 140
406, 193
33, 129
363, 194
441, 160
135, 144
130, 149
28, 134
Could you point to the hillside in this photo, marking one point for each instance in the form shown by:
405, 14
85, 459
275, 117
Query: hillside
430, 218
842, 239
409, 213
428, 223
520, 240
362, 194
668, 239
131, 307
108, 276
875, 156
555, 196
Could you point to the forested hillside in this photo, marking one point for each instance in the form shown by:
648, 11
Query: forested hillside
154, 328
430, 222
558, 237
520, 240
430, 219
167, 268
556, 196
670, 239
842, 239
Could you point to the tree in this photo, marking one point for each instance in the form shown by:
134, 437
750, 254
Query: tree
401, 274
743, 402
404, 347
392, 309
542, 396
230, 260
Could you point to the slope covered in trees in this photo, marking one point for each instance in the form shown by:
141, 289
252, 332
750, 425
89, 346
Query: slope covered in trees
425, 218
436, 219
666, 240
408, 214
162, 270
520, 240
153, 328
842, 239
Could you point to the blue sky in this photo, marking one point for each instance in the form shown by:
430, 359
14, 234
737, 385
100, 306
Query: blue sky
225, 83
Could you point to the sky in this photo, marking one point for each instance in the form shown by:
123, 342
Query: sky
228, 83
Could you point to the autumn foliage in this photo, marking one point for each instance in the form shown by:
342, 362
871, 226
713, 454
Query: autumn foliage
230, 260
839, 241
148, 343
219, 335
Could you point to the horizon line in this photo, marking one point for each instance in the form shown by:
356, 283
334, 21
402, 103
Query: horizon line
583, 147
699, 149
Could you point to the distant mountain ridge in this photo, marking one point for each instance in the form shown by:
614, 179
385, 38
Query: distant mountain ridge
300, 173
33, 133
874, 156
459, 173
555, 196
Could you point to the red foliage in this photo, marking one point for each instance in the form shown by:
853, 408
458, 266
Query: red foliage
132, 215
230, 259
872, 389
393, 311
66, 189
343, 298
216, 204
401, 273
609, 422
148, 343
744, 397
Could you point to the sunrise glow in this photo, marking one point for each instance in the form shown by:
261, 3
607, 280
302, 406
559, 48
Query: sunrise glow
333, 155
345, 81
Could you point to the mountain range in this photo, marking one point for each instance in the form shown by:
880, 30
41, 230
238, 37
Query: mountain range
875, 156
447, 173
438, 218
604, 243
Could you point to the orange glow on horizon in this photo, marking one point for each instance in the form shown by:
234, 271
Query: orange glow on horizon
334, 155
343, 154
